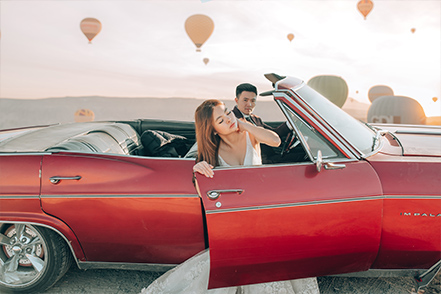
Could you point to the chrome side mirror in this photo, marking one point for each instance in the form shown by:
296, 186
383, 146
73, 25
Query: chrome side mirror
319, 162
327, 165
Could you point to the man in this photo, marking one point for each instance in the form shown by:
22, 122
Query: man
246, 96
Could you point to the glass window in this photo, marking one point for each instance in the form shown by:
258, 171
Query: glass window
351, 129
312, 140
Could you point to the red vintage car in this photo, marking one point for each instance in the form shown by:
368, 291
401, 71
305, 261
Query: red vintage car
338, 196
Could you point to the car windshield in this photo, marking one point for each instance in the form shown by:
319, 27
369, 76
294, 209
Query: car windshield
351, 129
313, 140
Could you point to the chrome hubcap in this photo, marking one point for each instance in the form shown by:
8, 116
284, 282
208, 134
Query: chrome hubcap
22, 259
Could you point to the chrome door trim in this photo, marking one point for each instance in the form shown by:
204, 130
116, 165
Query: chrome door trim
295, 204
121, 196
331, 201
36, 196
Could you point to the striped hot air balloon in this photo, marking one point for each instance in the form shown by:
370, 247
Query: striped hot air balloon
90, 28
396, 110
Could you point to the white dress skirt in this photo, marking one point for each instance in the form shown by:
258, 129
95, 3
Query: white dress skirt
191, 277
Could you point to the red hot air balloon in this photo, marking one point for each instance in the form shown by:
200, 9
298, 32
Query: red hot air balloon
83, 115
365, 7
90, 28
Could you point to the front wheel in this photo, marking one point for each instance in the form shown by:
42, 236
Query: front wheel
32, 258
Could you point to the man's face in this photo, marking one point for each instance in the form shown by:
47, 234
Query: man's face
246, 102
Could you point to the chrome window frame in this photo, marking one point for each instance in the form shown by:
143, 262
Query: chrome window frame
349, 151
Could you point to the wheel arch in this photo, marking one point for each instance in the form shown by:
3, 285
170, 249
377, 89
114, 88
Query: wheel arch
51, 223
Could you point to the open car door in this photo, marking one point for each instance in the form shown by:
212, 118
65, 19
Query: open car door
270, 223
286, 221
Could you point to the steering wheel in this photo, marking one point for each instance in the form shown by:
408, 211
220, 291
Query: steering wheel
290, 142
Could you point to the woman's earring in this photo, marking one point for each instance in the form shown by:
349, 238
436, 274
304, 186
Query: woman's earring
215, 133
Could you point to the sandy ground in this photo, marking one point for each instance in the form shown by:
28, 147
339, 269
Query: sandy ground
121, 281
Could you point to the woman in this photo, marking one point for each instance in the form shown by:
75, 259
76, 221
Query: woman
224, 140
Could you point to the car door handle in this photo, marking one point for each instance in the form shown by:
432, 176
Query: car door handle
56, 179
214, 194
330, 165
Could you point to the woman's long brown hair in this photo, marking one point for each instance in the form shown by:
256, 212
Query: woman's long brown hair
208, 142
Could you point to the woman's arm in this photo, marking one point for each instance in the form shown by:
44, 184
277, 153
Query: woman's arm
261, 135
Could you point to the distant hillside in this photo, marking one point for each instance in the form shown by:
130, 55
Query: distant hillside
24, 112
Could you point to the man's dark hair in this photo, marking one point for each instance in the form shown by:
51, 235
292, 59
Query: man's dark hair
245, 87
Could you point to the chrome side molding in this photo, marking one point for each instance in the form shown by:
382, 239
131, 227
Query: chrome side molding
151, 267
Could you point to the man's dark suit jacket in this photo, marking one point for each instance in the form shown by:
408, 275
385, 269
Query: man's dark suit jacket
281, 130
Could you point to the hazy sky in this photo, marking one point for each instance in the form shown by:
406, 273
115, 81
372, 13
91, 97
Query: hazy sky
144, 51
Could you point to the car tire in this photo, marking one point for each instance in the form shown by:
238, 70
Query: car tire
32, 260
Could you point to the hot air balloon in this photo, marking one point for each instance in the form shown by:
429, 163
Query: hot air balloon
332, 87
199, 28
290, 37
378, 91
83, 115
396, 110
412, 30
365, 6
205, 60
90, 28
435, 99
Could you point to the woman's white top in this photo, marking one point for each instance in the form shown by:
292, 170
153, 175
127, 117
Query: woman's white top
252, 156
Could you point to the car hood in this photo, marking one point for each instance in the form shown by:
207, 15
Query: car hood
417, 140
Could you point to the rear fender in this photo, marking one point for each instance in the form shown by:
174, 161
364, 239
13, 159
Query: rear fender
48, 222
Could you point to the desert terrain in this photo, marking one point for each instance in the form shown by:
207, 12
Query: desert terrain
15, 113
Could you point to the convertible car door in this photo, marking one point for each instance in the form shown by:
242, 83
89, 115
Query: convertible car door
280, 222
